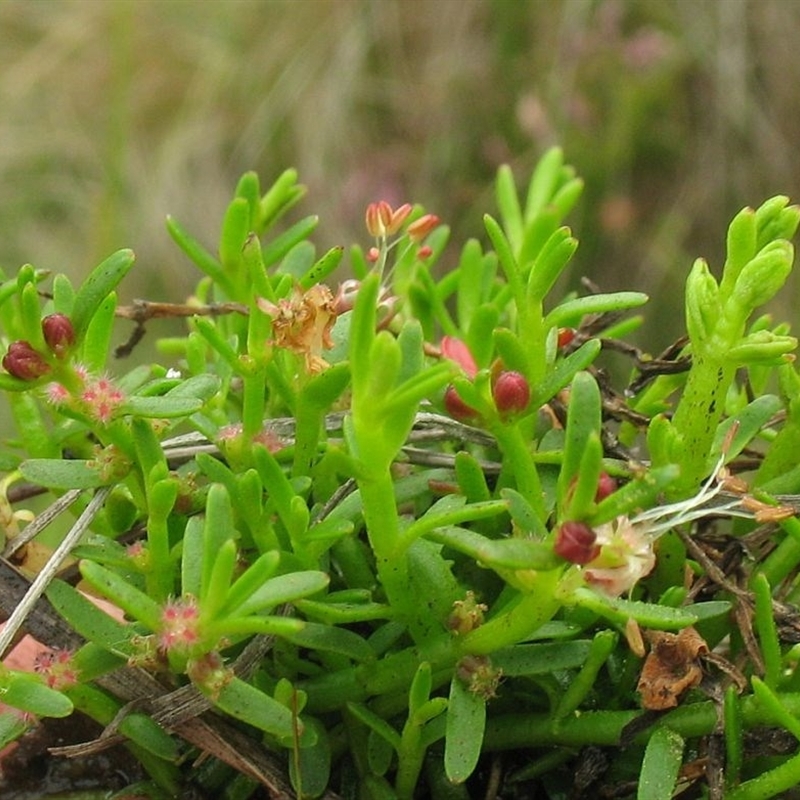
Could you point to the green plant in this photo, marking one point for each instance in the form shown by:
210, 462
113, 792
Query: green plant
389, 531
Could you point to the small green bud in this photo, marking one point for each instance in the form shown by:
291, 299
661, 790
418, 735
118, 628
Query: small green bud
761, 347
702, 302
761, 278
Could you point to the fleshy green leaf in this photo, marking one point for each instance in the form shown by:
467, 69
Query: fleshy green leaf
247, 704
57, 473
27, 693
101, 282
466, 720
662, 760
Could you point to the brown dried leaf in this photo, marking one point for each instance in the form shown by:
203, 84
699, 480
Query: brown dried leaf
671, 668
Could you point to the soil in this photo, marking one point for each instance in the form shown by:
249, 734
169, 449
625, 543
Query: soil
29, 772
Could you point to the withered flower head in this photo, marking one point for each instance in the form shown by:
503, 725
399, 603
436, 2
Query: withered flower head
303, 323
671, 668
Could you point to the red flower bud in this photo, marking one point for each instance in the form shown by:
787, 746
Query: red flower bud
23, 362
576, 542
511, 392
456, 407
58, 333
606, 485
565, 336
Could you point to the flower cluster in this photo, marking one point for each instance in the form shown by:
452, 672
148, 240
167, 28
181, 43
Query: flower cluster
99, 398
180, 625
383, 221
57, 668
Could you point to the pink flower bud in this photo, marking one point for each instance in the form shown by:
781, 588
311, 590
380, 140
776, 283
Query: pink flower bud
576, 542
456, 350
424, 252
456, 407
421, 227
511, 392
58, 333
23, 362
606, 485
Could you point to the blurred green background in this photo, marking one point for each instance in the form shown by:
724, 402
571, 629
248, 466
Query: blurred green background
114, 113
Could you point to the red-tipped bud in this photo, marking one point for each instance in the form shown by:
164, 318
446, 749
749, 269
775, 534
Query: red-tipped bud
424, 252
373, 254
421, 227
23, 362
456, 407
58, 333
576, 542
511, 392
398, 218
565, 336
606, 485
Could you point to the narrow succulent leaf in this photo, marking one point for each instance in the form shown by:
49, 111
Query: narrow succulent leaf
466, 720
662, 761
252, 706
101, 282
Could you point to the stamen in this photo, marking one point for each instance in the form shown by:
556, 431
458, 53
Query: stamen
664, 518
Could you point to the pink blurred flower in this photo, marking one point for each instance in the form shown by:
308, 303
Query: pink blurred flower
456, 350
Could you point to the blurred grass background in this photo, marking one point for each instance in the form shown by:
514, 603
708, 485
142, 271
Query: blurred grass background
114, 113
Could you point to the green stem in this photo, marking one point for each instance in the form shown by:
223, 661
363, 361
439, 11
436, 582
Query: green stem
253, 404
604, 728
410, 757
786, 556
518, 621
383, 529
390, 675
697, 416
518, 453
